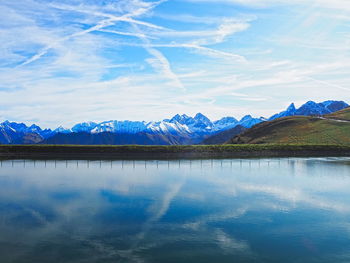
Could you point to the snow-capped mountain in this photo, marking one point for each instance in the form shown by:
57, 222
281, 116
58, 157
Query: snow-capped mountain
132, 127
165, 127
18, 133
61, 129
312, 108
248, 121
84, 127
180, 129
179, 124
22, 128
119, 126
225, 123
198, 123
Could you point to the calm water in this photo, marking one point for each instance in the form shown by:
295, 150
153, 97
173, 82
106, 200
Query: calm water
268, 210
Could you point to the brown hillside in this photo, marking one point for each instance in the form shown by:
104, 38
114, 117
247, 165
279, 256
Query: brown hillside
300, 130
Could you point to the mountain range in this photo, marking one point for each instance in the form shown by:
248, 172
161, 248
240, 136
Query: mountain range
311, 108
180, 129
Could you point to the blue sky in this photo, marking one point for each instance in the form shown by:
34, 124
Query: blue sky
68, 61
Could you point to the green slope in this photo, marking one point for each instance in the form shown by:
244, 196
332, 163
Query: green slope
340, 115
300, 130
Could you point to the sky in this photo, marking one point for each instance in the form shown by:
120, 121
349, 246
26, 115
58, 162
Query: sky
69, 61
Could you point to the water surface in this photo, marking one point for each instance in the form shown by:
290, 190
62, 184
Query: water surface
258, 210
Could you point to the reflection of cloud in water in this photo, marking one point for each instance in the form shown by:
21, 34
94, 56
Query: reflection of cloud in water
296, 196
236, 188
217, 217
157, 210
229, 244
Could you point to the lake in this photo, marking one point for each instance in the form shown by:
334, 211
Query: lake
248, 210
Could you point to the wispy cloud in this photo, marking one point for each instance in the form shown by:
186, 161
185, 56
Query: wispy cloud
204, 37
100, 25
159, 62
149, 60
338, 4
330, 84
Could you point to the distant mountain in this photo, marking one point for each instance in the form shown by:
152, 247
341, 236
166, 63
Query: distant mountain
180, 129
248, 121
290, 111
311, 108
110, 138
84, 127
61, 130
19, 133
327, 107
328, 129
225, 123
199, 123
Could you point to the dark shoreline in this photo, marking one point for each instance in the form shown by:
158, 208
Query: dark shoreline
106, 152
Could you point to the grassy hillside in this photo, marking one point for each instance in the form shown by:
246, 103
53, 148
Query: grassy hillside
300, 130
340, 115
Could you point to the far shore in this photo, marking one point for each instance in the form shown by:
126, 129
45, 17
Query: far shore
128, 152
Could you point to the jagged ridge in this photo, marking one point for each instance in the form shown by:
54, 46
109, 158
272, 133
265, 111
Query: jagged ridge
180, 129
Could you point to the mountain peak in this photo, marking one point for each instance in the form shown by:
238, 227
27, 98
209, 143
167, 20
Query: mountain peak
34, 128
248, 121
201, 117
182, 119
84, 126
310, 102
291, 108
312, 108
333, 106
246, 117
61, 129
227, 119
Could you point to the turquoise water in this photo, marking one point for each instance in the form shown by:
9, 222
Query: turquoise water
267, 210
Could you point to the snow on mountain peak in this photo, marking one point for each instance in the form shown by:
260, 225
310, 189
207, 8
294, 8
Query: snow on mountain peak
183, 119
120, 127
61, 129
84, 126
200, 116
179, 126
225, 123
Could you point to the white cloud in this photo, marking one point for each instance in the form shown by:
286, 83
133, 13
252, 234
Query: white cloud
202, 50
139, 60
335, 4
206, 37
111, 20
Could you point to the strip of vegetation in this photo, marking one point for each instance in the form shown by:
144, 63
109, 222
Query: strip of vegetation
169, 152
